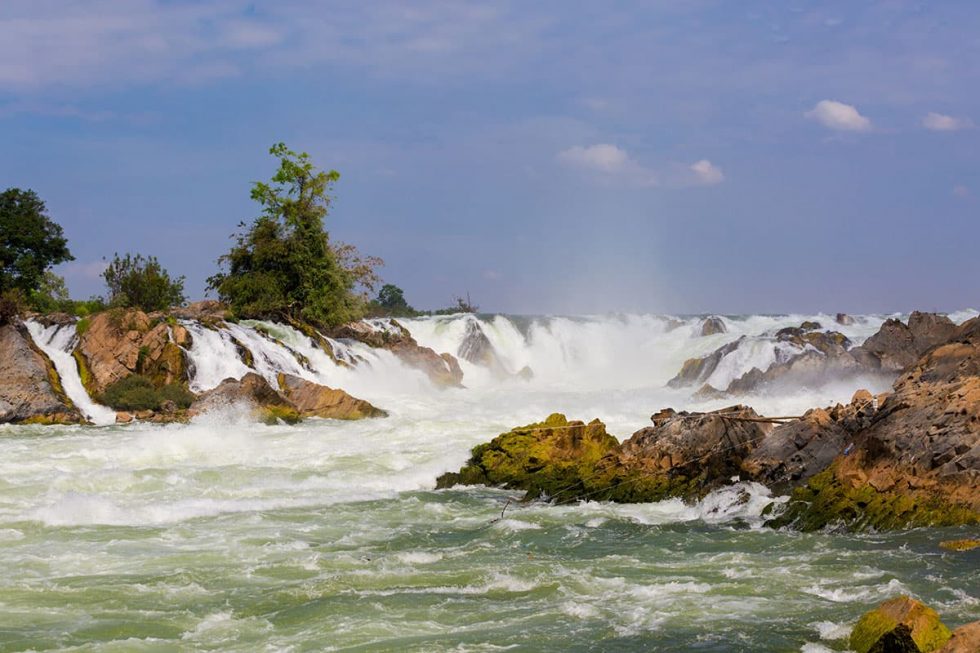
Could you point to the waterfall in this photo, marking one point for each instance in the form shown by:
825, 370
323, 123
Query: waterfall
58, 342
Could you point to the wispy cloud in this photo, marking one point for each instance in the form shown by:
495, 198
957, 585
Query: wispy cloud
613, 164
838, 116
939, 122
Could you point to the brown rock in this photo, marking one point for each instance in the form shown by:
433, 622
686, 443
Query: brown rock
208, 311
712, 326
965, 639
30, 390
123, 417
314, 400
119, 343
697, 370
844, 319
252, 391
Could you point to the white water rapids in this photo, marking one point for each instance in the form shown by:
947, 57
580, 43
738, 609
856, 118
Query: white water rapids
223, 534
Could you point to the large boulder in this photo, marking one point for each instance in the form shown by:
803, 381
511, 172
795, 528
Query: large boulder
208, 311
253, 392
900, 625
118, 343
965, 639
315, 400
31, 391
897, 345
558, 458
707, 447
477, 348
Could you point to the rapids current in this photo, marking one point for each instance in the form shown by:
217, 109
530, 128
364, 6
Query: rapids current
224, 534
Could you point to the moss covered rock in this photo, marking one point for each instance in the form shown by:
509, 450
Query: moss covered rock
832, 499
900, 625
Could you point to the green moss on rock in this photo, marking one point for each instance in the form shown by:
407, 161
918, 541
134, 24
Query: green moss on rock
828, 501
900, 625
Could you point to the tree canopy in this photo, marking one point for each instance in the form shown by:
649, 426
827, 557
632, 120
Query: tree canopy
30, 242
141, 282
284, 265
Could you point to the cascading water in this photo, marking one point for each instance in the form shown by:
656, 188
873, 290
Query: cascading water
58, 342
223, 534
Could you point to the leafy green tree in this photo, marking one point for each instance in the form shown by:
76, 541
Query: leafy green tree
30, 242
141, 282
51, 294
284, 265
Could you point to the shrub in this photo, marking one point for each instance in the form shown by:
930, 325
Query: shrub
11, 305
137, 392
141, 282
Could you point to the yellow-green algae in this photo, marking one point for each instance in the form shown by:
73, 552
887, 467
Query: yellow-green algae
926, 631
827, 501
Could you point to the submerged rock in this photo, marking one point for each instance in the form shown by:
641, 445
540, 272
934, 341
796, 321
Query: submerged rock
30, 391
900, 625
314, 400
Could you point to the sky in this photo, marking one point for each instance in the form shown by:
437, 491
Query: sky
549, 157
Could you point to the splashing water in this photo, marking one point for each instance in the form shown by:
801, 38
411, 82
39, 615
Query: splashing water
224, 534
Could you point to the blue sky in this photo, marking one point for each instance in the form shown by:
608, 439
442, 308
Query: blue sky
687, 156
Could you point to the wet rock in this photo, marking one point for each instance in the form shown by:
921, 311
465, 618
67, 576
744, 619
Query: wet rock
557, 458
30, 391
965, 639
442, 369
697, 370
898, 345
477, 349
711, 326
314, 400
960, 545
706, 448
900, 625
119, 343
844, 319
123, 417
251, 391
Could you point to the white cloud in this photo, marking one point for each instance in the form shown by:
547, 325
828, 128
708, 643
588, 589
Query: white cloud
838, 116
939, 122
602, 157
707, 173
612, 164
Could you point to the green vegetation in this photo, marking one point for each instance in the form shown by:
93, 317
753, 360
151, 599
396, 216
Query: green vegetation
141, 282
284, 265
459, 305
30, 244
827, 501
391, 302
138, 392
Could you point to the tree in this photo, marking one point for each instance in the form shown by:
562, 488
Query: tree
141, 282
284, 265
30, 242
51, 294
392, 298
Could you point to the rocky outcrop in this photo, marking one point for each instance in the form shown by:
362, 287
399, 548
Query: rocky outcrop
477, 348
314, 400
903, 625
898, 345
442, 369
844, 319
251, 391
681, 455
824, 355
711, 326
296, 398
208, 312
30, 391
915, 461
119, 343
965, 639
